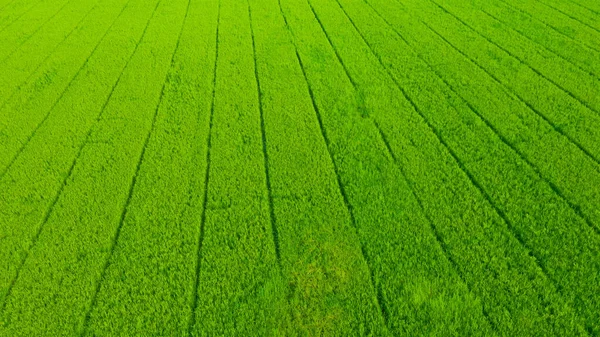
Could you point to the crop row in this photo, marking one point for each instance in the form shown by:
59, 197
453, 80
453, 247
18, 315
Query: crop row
512, 194
15, 10
19, 61
75, 173
563, 24
299, 167
485, 172
29, 106
577, 12
535, 30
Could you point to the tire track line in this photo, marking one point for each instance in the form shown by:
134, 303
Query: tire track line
572, 95
137, 169
70, 172
49, 112
379, 299
194, 305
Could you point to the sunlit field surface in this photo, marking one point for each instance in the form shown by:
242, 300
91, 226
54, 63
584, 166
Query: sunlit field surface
299, 168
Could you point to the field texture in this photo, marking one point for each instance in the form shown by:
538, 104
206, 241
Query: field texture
299, 168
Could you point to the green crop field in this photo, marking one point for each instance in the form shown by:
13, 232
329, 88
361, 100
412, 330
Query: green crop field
299, 168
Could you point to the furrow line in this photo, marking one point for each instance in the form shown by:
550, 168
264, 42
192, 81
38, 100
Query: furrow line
39, 230
380, 300
583, 6
539, 44
502, 138
49, 211
103, 123
580, 55
337, 54
549, 26
119, 227
206, 179
556, 190
264, 147
432, 226
574, 9
54, 50
7, 4
434, 130
373, 83
239, 278
553, 186
39, 125
70, 172
567, 290
19, 17
43, 61
511, 227
514, 56
508, 90
569, 16
410, 183
39, 28
116, 237
134, 179
469, 175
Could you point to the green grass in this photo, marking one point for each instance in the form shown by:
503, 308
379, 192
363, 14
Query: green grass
299, 168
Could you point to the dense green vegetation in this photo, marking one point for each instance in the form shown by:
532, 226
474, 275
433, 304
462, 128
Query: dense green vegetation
299, 168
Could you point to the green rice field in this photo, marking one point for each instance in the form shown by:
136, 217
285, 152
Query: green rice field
299, 168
